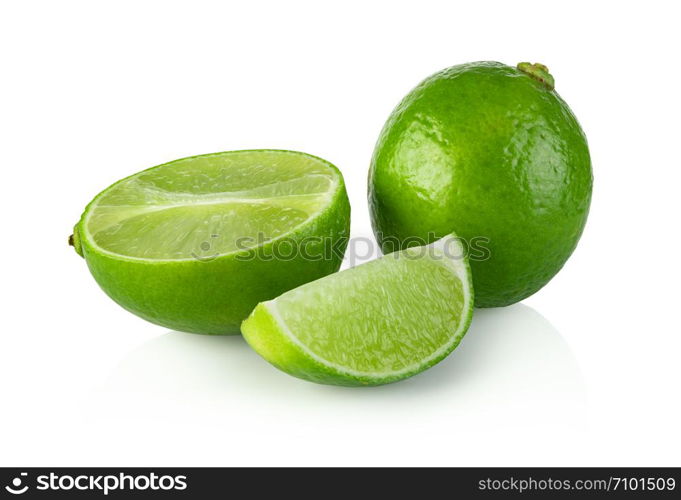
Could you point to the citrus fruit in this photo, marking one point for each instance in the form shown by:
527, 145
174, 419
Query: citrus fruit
373, 324
196, 243
493, 153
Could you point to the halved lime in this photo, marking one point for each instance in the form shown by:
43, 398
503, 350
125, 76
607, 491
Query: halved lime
373, 324
193, 244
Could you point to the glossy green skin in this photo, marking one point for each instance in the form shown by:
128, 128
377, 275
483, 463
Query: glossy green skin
213, 296
484, 150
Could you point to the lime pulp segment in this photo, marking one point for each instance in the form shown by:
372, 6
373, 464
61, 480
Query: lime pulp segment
375, 323
233, 200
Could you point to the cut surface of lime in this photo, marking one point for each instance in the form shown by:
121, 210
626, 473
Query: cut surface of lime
233, 201
373, 324
196, 243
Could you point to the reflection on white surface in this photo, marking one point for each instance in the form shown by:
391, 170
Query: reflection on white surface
513, 369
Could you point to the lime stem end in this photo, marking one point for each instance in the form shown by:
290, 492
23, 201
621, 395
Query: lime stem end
539, 72
74, 241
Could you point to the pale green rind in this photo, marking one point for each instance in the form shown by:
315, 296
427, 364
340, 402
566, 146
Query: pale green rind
266, 337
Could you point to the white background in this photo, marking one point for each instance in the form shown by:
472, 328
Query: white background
586, 372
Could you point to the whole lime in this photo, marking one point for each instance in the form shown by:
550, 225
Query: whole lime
493, 153
196, 243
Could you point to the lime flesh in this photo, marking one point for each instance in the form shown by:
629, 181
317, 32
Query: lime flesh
373, 324
190, 244
168, 212
493, 153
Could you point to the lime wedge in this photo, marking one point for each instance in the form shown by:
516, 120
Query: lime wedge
191, 244
373, 324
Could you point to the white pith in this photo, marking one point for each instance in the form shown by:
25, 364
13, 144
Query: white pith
220, 198
459, 269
